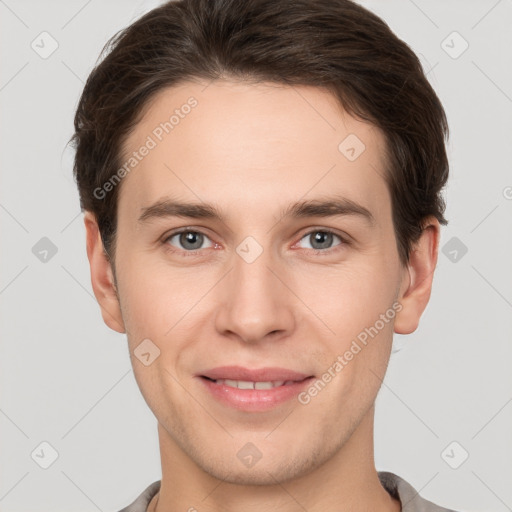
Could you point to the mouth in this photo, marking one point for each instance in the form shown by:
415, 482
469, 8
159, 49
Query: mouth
253, 390
242, 374
248, 384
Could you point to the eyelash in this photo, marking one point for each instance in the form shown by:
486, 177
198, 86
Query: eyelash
192, 253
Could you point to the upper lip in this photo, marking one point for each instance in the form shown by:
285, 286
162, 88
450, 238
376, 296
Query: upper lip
257, 375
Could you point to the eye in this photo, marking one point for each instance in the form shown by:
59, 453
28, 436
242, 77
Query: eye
321, 239
188, 239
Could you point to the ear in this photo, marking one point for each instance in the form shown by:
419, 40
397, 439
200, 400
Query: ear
417, 283
102, 277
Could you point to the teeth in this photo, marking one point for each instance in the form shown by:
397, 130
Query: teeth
245, 384
267, 385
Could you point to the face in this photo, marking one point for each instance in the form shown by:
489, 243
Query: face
263, 285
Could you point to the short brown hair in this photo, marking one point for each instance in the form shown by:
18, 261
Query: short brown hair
334, 44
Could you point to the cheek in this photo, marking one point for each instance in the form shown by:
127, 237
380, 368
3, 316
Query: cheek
164, 306
153, 296
357, 341
347, 298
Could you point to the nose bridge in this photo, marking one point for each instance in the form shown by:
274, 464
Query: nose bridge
255, 301
251, 269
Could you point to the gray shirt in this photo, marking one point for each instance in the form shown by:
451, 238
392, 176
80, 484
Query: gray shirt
397, 487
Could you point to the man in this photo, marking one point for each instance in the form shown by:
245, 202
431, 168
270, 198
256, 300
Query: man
298, 147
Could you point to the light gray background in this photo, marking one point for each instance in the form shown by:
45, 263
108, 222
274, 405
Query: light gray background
66, 378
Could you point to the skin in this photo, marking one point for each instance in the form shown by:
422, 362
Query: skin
253, 149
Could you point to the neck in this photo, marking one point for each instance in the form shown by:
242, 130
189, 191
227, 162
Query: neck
347, 481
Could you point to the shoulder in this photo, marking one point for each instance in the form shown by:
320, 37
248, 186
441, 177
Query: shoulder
142, 501
409, 498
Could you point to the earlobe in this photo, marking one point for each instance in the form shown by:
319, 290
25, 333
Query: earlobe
102, 278
415, 294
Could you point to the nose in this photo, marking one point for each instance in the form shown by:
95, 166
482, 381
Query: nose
255, 302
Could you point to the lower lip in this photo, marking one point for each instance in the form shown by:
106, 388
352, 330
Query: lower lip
254, 400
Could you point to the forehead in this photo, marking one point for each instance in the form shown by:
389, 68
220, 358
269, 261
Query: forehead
249, 146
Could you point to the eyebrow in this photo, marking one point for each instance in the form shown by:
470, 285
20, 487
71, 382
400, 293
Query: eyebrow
325, 207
